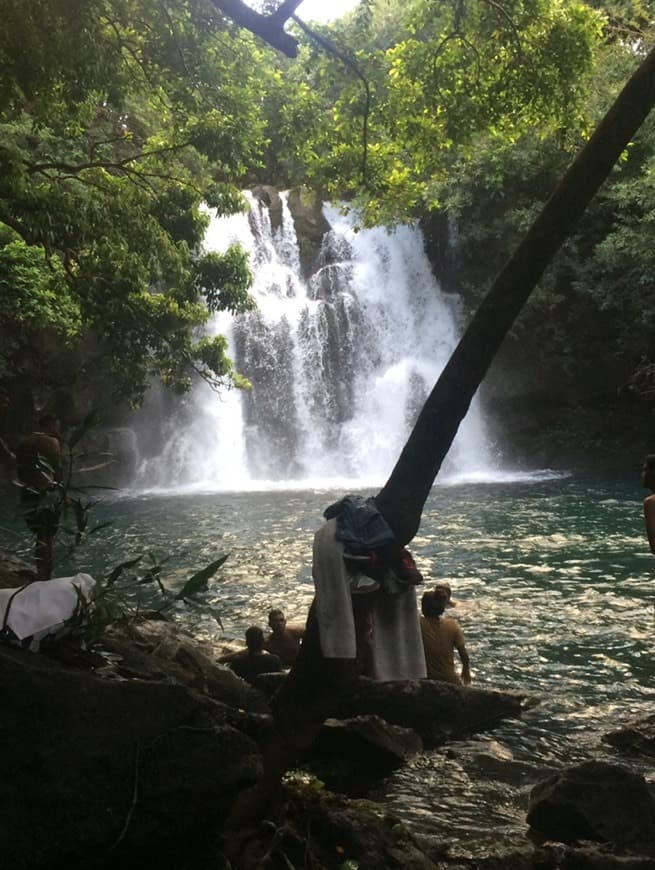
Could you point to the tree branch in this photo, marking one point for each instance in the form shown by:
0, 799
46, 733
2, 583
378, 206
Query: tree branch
267, 27
73, 169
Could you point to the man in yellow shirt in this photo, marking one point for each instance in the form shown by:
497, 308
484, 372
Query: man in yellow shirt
441, 637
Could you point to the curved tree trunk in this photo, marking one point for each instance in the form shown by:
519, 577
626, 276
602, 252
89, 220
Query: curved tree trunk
402, 498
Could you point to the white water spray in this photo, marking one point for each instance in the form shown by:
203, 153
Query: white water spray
340, 362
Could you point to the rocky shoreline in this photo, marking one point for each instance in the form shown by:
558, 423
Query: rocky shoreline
140, 750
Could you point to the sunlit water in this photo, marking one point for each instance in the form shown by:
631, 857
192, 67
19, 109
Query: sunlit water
555, 591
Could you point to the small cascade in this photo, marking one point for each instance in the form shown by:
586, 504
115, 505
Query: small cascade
340, 362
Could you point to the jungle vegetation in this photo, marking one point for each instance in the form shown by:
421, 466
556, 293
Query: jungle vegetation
123, 120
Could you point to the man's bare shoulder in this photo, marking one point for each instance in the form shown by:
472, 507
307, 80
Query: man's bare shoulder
40, 442
451, 625
296, 630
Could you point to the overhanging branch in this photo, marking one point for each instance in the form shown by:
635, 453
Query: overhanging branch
270, 28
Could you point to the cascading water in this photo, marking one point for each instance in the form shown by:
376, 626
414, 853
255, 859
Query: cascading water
340, 364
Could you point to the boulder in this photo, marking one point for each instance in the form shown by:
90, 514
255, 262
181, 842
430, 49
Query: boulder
595, 801
436, 711
638, 738
96, 769
156, 649
311, 225
13, 571
350, 756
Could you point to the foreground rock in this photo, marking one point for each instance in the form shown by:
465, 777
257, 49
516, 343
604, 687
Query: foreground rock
156, 649
435, 711
13, 571
599, 802
638, 738
132, 770
352, 755
94, 769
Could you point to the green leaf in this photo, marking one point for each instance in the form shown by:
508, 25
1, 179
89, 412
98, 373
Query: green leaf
99, 527
198, 583
119, 569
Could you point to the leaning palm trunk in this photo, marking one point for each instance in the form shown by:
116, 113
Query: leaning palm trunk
402, 498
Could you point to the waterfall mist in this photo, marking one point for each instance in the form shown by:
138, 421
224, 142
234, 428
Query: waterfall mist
340, 362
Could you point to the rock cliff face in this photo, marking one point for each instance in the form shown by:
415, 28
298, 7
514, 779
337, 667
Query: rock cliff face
307, 213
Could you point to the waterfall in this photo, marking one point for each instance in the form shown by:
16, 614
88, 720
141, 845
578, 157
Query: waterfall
340, 363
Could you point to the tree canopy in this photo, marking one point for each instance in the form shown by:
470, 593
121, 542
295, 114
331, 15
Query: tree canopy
118, 120
406, 91
123, 122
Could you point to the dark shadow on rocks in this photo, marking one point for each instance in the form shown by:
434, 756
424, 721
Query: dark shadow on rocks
353, 755
637, 738
95, 769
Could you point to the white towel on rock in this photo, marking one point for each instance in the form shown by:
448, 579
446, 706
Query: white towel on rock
44, 606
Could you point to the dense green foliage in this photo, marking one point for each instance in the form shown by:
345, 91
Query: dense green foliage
429, 85
118, 118
475, 110
588, 329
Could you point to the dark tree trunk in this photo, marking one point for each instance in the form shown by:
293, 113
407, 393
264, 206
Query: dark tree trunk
402, 498
270, 28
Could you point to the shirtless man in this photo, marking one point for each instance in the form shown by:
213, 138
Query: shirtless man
441, 637
648, 482
254, 661
283, 641
38, 468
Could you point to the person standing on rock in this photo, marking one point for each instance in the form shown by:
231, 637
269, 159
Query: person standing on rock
38, 470
441, 637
